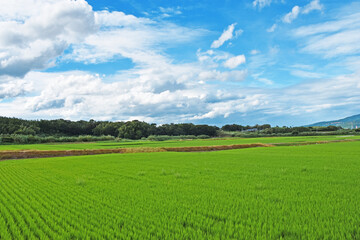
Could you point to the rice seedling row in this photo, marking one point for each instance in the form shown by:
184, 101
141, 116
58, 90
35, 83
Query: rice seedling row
170, 143
261, 193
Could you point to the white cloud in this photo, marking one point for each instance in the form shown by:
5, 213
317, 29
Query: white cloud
214, 75
35, 39
272, 28
322, 94
228, 107
261, 3
313, 5
342, 43
14, 88
167, 12
339, 37
234, 61
177, 91
289, 17
225, 36
344, 22
32, 37
141, 40
153, 87
296, 10
157, 89
18, 10
173, 97
118, 19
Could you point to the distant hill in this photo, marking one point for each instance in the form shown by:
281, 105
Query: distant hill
349, 122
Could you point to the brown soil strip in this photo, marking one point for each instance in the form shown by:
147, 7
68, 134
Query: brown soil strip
22, 154
19, 154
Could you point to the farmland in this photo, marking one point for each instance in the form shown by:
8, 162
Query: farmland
171, 143
284, 192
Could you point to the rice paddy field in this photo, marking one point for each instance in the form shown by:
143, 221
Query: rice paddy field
283, 192
172, 143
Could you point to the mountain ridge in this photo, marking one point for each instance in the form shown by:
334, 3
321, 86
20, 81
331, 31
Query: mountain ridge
350, 122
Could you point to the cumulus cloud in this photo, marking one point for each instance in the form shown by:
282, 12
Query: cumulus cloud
289, 17
214, 75
118, 19
15, 88
164, 93
32, 38
157, 89
234, 61
225, 36
226, 108
79, 95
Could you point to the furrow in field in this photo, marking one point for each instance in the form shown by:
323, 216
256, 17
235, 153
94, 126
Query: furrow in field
11, 227
18, 212
58, 207
68, 200
37, 203
30, 204
52, 207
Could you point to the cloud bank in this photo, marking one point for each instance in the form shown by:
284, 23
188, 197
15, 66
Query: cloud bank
217, 83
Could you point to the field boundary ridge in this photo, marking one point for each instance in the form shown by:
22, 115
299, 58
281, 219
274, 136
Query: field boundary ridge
23, 154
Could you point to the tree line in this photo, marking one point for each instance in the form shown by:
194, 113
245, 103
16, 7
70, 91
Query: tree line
268, 129
66, 130
131, 129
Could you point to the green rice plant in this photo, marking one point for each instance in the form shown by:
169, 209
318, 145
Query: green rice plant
284, 192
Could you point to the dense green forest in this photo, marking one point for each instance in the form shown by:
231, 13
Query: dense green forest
131, 129
15, 130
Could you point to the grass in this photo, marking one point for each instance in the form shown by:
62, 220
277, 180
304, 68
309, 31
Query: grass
302, 192
171, 143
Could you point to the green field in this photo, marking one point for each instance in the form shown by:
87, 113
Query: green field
296, 192
172, 143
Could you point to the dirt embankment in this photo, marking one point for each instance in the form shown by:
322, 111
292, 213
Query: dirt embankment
21, 154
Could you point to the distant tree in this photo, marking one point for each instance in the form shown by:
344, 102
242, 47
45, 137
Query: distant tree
232, 127
107, 128
134, 130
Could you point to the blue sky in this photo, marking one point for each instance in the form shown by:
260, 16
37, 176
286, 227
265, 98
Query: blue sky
215, 62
